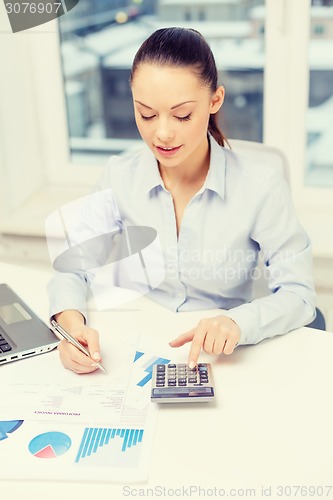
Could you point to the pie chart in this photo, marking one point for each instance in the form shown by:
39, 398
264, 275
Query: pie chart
50, 445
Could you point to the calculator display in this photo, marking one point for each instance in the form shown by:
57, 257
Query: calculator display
174, 392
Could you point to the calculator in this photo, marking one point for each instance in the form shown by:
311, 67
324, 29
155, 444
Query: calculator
177, 383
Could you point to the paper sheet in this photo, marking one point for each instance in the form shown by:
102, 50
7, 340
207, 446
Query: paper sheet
111, 438
40, 388
64, 451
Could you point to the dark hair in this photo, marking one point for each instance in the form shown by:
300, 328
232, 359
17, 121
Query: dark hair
182, 47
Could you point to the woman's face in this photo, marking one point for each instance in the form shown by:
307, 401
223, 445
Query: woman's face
172, 109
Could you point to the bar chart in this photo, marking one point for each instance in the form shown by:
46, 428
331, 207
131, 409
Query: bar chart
148, 365
110, 447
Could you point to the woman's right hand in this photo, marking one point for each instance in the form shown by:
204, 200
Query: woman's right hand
70, 356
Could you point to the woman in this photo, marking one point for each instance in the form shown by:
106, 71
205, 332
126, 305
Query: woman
213, 212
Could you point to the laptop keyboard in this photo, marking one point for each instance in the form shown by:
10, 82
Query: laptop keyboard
4, 346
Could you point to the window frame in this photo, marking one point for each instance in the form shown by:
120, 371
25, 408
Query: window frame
285, 118
42, 162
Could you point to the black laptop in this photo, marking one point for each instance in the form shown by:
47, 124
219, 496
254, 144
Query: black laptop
22, 332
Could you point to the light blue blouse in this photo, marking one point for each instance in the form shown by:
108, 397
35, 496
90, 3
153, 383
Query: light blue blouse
241, 209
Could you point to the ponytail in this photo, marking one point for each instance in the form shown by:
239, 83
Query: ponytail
215, 131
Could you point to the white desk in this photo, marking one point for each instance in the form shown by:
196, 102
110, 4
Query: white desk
272, 424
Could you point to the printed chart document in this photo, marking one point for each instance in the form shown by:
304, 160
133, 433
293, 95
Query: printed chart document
110, 439
116, 451
66, 451
40, 388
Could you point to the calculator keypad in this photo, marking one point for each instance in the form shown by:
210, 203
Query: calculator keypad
181, 375
180, 381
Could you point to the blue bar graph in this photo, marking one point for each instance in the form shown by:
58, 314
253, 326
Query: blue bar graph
94, 439
148, 366
138, 355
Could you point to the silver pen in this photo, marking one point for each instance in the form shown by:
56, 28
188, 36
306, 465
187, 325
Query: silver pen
72, 340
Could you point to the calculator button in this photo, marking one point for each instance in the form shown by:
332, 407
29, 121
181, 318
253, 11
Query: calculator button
192, 380
160, 384
171, 383
160, 368
182, 380
172, 365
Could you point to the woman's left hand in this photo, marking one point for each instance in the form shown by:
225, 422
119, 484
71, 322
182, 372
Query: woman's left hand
213, 335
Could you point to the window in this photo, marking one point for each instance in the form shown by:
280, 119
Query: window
202, 15
318, 29
319, 170
96, 62
56, 132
